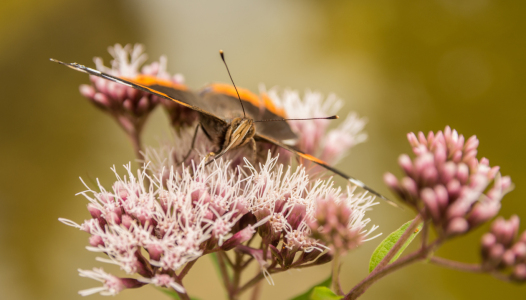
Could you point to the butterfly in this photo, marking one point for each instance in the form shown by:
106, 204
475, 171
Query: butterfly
227, 133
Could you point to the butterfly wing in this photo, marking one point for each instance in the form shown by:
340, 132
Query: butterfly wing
317, 161
158, 87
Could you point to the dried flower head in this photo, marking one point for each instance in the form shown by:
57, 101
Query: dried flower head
447, 183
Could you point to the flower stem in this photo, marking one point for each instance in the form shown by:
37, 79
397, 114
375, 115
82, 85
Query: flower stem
256, 290
187, 268
456, 265
135, 137
336, 274
359, 289
224, 273
182, 295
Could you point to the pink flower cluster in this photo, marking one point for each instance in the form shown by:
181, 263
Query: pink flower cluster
314, 137
447, 183
339, 222
153, 226
503, 249
131, 107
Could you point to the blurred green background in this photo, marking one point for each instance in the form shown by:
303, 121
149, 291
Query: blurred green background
407, 65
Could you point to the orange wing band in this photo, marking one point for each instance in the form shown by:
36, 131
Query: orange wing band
248, 96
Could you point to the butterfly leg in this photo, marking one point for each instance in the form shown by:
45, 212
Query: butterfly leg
254, 150
193, 144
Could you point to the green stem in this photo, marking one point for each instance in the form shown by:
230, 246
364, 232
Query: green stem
336, 274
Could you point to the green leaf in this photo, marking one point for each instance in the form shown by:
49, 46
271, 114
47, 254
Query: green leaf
307, 294
170, 293
173, 294
323, 293
381, 251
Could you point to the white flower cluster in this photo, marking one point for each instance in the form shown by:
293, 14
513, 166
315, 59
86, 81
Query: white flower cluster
199, 210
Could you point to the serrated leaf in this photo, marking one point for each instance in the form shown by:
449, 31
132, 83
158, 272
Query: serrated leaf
173, 294
307, 294
381, 251
323, 293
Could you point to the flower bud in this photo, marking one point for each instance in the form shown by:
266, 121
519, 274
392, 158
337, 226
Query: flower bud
457, 226
155, 251
96, 241
238, 238
519, 272
94, 211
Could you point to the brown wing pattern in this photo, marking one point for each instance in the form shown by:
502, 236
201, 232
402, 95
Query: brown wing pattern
325, 165
222, 100
142, 84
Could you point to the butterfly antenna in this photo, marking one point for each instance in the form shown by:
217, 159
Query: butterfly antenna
241, 102
278, 120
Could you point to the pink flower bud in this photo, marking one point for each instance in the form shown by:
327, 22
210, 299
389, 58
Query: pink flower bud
297, 215
523, 237
462, 173
143, 105
113, 218
442, 197
519, 249
409, 185
448, 172
457, 226
238, 238
487, 242
94, 211
101, 100
483, 212
155, 251
496, 252
128, 105
126, 221
413, 141
453, 189
471, 144
519, 272
325, 258
87, 91
96, 241
391, 181
106, 197
407, 165
422, 138
440, 155
430, 201
508, 258
131, 283
429, 175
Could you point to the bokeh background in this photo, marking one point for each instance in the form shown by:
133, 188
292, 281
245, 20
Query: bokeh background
407, 65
